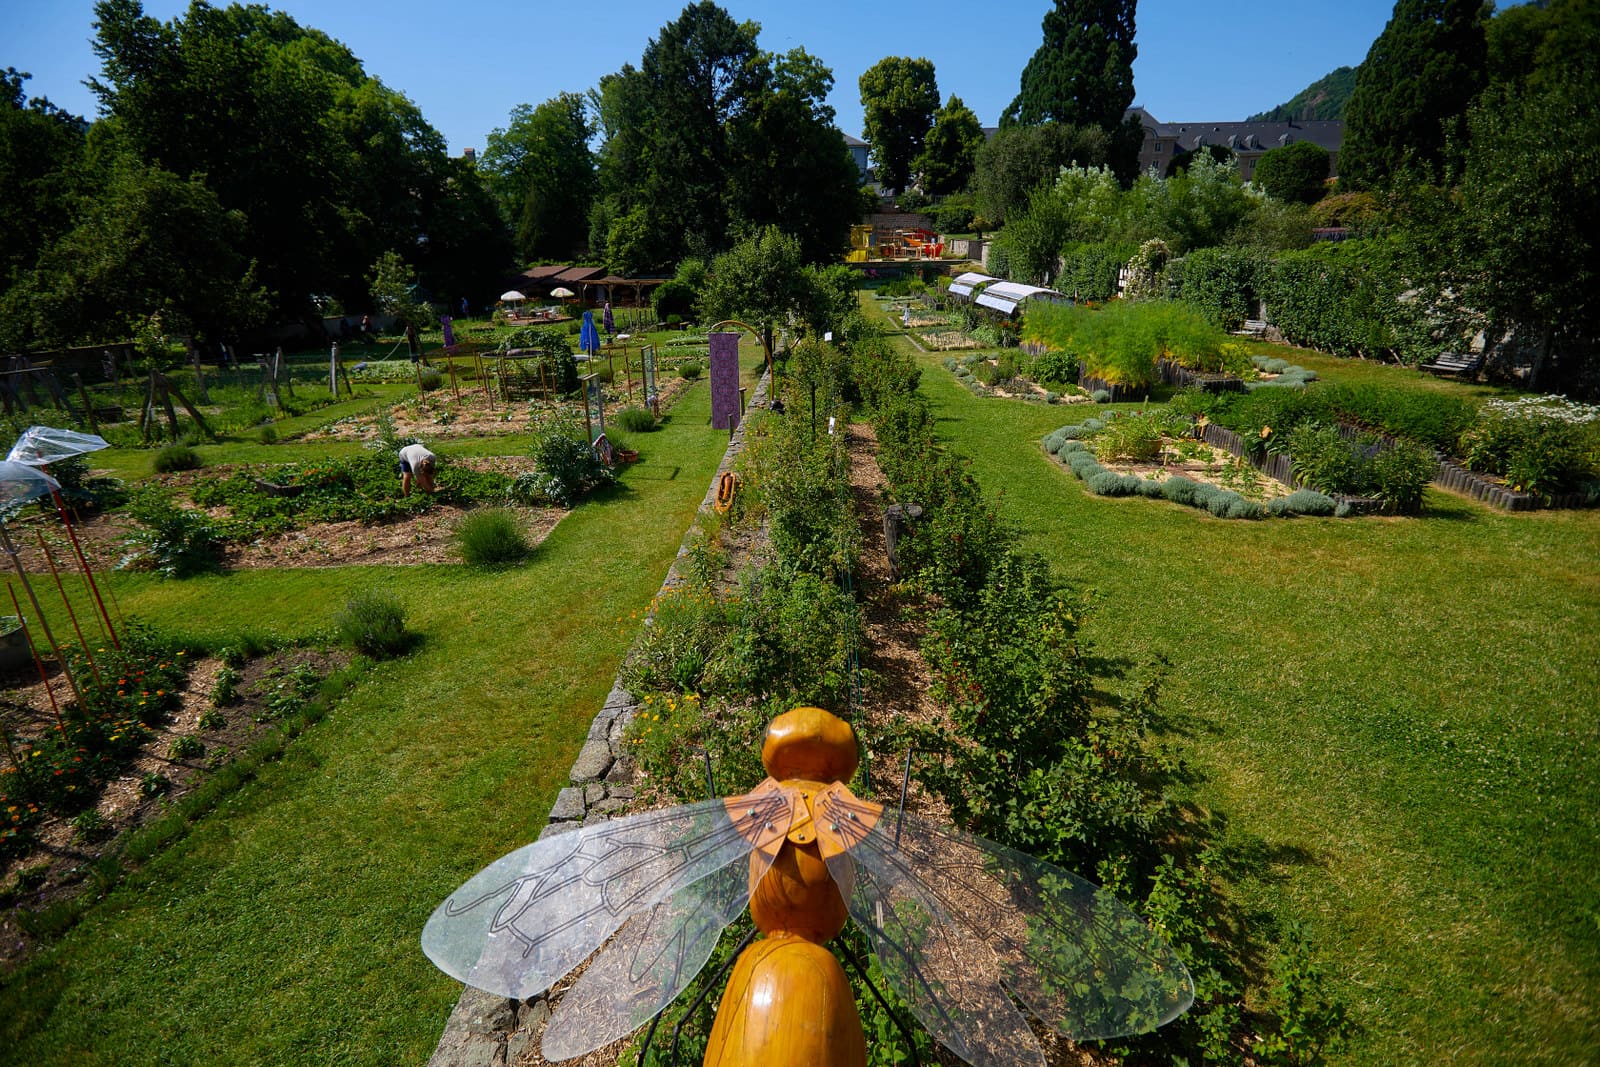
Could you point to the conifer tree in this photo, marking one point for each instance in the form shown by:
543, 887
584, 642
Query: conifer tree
1082, 75
1413, 89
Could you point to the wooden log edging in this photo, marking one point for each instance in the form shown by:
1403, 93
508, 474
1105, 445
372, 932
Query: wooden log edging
1182, 377
485, 1030
1120, 394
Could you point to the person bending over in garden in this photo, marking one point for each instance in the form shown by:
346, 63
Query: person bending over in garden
416, 462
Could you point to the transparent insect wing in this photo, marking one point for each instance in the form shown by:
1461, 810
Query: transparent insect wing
527, 919
1077, 957
651, 960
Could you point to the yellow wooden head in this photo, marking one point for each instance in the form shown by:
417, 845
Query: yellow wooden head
810, 744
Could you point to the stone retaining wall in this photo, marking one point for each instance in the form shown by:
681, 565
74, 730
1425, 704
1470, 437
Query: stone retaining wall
486, 1030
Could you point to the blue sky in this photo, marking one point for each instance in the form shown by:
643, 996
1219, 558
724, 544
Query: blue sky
467, 63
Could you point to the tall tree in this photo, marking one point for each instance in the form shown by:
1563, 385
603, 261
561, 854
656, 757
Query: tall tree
328, 165
791, 167
899, 96
1413, 89
543, 175
1083, 72
1017, 159
950, 154
40, 149
710, 138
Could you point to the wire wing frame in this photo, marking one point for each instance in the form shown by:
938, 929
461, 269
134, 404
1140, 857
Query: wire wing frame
519, 925
958, 922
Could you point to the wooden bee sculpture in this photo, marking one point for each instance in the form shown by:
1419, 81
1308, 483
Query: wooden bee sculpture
964, 929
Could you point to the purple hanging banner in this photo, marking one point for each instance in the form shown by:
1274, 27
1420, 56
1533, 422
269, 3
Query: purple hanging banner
449, 332
724, 380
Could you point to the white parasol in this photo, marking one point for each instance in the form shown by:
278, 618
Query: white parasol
512, 297
562, 291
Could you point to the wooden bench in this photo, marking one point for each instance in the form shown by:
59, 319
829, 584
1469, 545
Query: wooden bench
1461, 363
1255, 328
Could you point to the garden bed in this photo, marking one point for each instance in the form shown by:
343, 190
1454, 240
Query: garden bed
207, 736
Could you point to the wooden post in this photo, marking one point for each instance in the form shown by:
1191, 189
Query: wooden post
199, 419
333, 369
285, 378
199, 375
159, 381
88, 408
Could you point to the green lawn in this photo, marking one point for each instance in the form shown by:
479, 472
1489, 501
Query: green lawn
1400, 713
283, 929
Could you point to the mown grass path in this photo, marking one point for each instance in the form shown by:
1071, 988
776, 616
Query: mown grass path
1396, 717
283, 929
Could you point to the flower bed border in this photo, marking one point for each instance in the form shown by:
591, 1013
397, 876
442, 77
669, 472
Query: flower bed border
1182, 377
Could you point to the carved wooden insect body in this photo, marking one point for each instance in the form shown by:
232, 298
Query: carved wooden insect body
960, 925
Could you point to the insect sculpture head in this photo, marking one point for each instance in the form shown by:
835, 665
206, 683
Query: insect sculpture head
811, 745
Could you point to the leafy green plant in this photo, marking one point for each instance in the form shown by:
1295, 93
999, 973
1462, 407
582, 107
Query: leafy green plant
491, 538
1398, 474
212, 719
1541, 445
187, 747
226, 689
89, 826
1133, 438
178, 542
565, 466
268, 435
374, 623
689, 371
175, 457
153, 784
635, 419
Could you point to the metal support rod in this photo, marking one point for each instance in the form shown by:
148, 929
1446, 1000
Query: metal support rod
83, 562
905, 783
711, 783
34, 651
44, 624
71, 614
905, 1031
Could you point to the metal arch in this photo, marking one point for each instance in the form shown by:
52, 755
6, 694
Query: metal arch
759, 336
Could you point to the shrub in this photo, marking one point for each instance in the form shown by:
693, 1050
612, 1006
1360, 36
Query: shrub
491, 538
178, 542
1180, 490
1398, 475
1069, 446
1054, 441
176, 458
1134, 438
1542, 445
1303, 502
689, 371
1055, 368
566, 465
268, 435
1101, 396
429, 378
1150, 487
374, 624
1109, 483
635, 419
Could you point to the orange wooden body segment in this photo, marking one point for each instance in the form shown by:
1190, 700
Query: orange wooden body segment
787, 1004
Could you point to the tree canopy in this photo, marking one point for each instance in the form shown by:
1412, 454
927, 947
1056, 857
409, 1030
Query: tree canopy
1017, 159
1083, 72
1412, 90
898, 96
1293, 173
950, 153
710, 137
244, 167
542, 175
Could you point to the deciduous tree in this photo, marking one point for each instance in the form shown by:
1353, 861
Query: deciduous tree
1294, 173
542, 175
898, 96
950, 153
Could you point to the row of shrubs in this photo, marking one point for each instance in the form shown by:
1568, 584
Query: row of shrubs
1031, 756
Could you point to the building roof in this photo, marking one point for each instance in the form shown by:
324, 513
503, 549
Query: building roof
547, 270
578, 274
1245, 136
853, 142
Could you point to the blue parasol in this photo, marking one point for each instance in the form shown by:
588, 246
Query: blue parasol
589, 337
